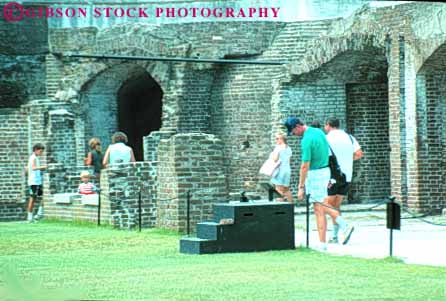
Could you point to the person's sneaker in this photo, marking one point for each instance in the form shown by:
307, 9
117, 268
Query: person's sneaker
333, 240
347, 234
321, 248
38, 217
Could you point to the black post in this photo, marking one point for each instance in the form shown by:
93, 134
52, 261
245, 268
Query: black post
393, 220
99, 208
307, 198
391, 243
188, 212
139, 210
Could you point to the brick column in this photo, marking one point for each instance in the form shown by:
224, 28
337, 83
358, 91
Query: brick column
395, 102
410, 128
189, 162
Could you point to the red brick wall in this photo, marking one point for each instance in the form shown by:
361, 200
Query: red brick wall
367, 120
13, 159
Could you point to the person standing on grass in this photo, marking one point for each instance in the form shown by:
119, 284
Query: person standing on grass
314, 177
346, 149
34, 170
281, 179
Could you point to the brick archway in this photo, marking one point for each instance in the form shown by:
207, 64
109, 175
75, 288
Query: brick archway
116, 99
139, 110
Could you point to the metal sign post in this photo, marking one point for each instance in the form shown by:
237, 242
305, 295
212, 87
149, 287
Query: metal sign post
393, 220
307, 201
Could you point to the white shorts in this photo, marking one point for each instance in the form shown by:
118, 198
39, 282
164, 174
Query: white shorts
317, 183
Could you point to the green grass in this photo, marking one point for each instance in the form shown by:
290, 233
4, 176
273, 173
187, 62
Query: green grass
63, 261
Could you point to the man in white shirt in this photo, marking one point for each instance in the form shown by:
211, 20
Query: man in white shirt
346, 149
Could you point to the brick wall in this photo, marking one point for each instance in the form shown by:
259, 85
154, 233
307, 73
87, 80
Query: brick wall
367, 121
432, 139
195, 102
241, 118
59, 180
189, 163
13, 159
21, 79
62, 138
121, 185
29, 36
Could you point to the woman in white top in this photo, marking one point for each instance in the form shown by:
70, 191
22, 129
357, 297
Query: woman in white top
281, 179
118, 152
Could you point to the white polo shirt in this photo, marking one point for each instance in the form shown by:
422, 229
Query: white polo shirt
344, 148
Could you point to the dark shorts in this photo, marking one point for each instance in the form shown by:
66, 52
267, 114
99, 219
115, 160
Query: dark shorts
337, 189
35, 190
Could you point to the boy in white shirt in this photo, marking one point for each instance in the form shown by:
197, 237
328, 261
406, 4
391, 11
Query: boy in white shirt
34, 170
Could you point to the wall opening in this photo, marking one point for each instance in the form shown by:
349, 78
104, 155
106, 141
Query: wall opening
139, 110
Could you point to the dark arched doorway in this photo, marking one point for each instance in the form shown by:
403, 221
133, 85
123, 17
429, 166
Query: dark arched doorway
139, 110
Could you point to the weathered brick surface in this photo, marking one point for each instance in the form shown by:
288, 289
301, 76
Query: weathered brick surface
431, 135
27, 37
13, 159
121, 186
21, 78
189, 163
367, 120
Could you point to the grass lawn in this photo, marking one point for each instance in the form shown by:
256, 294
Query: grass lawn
63, 261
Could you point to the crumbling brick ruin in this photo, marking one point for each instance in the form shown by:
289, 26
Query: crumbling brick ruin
207, 127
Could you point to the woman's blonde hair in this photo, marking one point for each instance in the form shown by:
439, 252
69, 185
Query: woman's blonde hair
282, 136
95, 143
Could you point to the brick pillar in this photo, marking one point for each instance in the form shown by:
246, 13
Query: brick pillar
410, 128
394, 74
189, 162
62, 137
151, 142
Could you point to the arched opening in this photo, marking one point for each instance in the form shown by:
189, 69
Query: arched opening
123, 98
139, 110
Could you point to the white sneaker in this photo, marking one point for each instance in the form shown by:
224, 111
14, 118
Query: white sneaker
321, 248
347, 234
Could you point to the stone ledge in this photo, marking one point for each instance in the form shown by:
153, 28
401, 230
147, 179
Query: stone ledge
90, 199
63, 198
